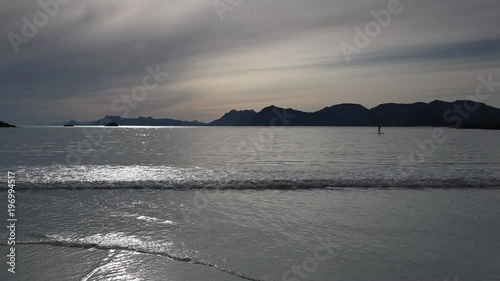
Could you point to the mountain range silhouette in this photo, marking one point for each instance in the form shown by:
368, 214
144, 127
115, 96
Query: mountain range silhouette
460, 114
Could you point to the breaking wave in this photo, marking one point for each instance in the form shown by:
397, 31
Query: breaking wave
167, 177
120, 241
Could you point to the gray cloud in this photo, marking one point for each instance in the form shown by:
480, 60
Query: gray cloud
264, 52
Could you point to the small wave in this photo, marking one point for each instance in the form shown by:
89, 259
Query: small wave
167, 177
268, 184
152, 219
105, 263
120, 241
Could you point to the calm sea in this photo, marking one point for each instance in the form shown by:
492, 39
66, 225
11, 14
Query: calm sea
238, 203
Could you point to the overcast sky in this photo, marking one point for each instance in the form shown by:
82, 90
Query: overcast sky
258, 53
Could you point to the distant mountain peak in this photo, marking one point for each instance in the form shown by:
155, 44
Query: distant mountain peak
235, 118
434, 113
352, 114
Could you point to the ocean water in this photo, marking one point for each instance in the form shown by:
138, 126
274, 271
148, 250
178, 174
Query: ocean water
172, 203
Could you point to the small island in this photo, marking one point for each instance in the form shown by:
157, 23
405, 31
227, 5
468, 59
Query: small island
6, 125
112, 124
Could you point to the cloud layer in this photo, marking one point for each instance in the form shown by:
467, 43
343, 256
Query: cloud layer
263, 52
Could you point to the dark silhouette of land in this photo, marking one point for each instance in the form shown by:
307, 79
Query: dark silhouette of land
458, 114
235, 118
111, 124
6, 125
141, 121
492, 125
